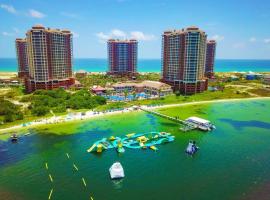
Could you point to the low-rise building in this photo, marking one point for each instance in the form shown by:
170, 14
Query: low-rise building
81, 74
148, 87
266, 79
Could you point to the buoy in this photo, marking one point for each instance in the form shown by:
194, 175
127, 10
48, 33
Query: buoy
75, 167
50, 176
84, 182
67, 155
46, 165
50, 194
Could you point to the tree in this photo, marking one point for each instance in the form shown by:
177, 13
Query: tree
126, 93
40, 110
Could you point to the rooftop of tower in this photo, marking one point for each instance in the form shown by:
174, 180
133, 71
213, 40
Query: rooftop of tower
183, 30
123, 41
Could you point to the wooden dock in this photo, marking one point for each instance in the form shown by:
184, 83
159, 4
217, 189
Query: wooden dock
186, 126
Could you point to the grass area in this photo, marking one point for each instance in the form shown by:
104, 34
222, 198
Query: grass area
186, 111
228, 93
112, 106
261, 92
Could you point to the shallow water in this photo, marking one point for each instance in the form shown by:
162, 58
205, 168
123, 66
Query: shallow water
232, 163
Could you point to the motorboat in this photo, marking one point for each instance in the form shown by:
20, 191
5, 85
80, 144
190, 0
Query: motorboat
116, 171
14, 138
191, 148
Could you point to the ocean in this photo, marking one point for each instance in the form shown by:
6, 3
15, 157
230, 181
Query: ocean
151, 65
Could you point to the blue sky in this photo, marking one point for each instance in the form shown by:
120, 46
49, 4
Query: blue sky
241, 28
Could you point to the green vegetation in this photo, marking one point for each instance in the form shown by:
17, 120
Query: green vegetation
227, 93
104, 79
112, 106
9, 112
59, 100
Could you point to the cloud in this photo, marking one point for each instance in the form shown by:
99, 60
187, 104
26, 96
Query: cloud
252, 39
70, 15
36, 14
12, 33
75, 35
267, 40
16, 30
239, 45
7, 33
138, 35
8, 8
102, 37
218, 37
119, 34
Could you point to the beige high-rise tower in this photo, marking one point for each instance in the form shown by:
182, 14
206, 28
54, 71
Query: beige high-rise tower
183, 60
49, 57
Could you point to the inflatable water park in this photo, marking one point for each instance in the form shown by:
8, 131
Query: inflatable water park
132, 141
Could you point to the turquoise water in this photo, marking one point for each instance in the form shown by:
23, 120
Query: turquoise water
232, 163
153, 65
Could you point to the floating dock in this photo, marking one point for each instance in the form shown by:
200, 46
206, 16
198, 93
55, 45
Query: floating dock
132, 141
187, 125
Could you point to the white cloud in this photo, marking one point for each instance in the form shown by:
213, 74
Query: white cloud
119, 34
267, 40
102, 37
16, 30
239, 45
8, 8
12, 33
138, 35
218, 37
7, 33
75, 35
36, 14
252, 39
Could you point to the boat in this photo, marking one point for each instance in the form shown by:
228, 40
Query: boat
116, 171
26, 134
191, 148
14, 138
201, 124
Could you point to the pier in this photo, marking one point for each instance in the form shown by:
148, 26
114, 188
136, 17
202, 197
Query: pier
186, 126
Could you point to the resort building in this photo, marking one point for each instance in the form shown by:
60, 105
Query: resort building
21, 49
49, 57
122, 57
210, 58
183, 60
266, 79
148, 87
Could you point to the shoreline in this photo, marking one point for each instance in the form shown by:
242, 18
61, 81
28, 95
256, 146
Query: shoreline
77, 116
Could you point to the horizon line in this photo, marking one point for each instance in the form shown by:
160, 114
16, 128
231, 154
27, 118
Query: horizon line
157, 58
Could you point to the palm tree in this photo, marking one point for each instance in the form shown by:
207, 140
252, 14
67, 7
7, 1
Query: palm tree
126, 93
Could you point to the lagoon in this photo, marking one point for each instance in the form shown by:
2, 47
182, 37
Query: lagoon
233, 160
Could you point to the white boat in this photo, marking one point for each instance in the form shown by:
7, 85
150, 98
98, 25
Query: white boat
116, 171
202, 124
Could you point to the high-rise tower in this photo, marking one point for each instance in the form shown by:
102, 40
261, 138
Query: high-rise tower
21, 49
183, 60
49, 57
210, 58
122, 56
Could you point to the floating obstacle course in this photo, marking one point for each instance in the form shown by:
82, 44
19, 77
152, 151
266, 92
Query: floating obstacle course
132, 141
